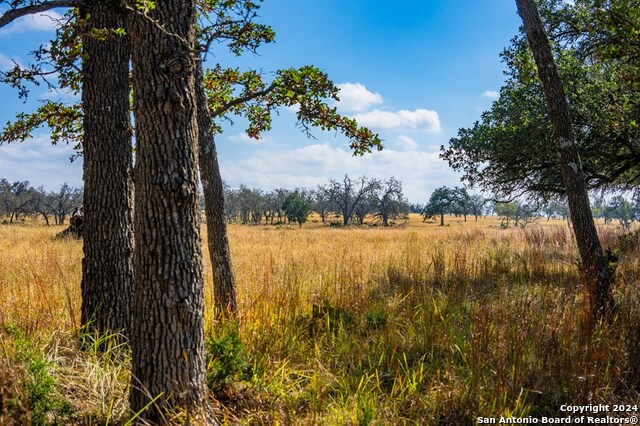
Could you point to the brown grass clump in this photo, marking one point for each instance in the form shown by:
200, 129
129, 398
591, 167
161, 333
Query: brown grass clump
414, 324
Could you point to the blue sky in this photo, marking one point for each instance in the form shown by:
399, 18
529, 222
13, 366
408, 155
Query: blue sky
413, 71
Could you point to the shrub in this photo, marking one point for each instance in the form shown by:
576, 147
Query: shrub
226, 359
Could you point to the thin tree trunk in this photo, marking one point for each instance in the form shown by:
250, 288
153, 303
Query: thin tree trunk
107, 266
168, 328
224, 283
594, 264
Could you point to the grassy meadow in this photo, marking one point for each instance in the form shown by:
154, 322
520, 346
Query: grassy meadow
413, 324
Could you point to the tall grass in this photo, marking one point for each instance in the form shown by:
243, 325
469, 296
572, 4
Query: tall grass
409, 325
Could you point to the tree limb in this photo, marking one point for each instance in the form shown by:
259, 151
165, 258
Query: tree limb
13, 14
224, 108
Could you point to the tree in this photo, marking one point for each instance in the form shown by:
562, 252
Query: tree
441, 202
557, 208
296, 208
602, 93
416, 208
168, 332
15, 197
367, 205
460, 205
20, 199
224, 281
323, 203
64, 201
107, 265
42, 204
594, 264
233, 22
526, 214
347, 194
390, 202
92, 36
476, 205
621, 209
508, 211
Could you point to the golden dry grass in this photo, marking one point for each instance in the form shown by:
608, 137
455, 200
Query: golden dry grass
415, 324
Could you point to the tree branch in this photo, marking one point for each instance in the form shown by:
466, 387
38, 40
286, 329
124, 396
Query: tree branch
238, 101
13, 14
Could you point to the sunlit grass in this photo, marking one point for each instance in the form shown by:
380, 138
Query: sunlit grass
415, 324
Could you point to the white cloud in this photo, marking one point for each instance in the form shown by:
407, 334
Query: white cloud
246, 139
354, 97
41, 163
45, 21
5, 63
493, 94
420, 171
407, 143
420, 119
293, 108
58, 94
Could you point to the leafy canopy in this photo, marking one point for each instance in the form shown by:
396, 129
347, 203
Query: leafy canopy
230, 23
509, 151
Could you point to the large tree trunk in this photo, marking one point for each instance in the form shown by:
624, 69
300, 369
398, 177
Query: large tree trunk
594, 264
224, 283
107, 266
168, 328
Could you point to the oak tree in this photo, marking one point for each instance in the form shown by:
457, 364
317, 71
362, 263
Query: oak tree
594, 264
90, 53
296, 208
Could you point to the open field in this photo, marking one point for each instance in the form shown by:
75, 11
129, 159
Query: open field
414, 324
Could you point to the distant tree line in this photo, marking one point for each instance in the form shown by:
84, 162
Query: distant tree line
618, 208
19, 200
337, 202
520, 212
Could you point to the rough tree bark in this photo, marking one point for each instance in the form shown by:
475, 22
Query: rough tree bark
224, 284
594, 264
107, 266
168, 331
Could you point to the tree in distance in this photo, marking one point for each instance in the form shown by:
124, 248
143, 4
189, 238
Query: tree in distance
389, 200
477, 205
444, 200
347, 195
296, 208
622, 210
